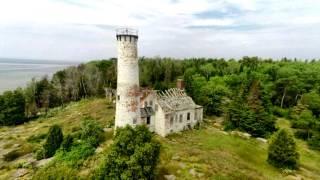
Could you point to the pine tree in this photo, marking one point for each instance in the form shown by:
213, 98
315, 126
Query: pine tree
247, 113
67, 143
282, 152
53, 142
263, 123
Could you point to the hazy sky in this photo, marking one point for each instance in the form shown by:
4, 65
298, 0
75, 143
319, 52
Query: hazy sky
85, 29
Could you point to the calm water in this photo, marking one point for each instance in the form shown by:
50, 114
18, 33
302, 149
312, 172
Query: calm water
18, 72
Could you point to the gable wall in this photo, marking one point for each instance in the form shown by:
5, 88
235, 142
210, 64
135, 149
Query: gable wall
147, 100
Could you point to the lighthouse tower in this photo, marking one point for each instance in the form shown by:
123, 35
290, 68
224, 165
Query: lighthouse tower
128, 93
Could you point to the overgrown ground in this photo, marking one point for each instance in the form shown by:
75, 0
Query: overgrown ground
208, 153
26, 138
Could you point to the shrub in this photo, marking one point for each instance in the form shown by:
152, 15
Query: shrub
280, 112
53, 142
75, 129
56, 171
39, 154
91, 132
67, 143
282, 152
296, 111
76, 155
312, 100
304, 121
302, 134
133, 155
314, 142
111, 124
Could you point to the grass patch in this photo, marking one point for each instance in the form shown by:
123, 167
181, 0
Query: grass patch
56, 171
12, 155
7, 146
210, 154
16, 153
37, 138
283, 123
213, 154
76, 155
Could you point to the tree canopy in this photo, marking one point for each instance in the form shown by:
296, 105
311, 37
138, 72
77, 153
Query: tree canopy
134, 154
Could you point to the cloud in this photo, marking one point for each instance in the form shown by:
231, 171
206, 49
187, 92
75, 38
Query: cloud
211, 22
85, 29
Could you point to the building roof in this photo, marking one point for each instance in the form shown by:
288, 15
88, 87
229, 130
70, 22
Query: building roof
175, 100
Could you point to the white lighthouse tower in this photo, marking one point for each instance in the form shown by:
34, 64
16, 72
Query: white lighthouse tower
128, 91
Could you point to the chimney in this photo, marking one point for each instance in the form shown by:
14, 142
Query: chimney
180, 84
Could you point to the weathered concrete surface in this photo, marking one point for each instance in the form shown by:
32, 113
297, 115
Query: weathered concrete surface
128, 97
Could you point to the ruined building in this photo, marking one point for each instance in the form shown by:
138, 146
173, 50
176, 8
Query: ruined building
163, 112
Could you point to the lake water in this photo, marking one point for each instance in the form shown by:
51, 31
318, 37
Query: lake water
18, 72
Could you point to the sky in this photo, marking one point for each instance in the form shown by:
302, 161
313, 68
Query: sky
81, 30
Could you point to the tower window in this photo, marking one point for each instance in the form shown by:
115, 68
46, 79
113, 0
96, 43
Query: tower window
118, 97
148, 119
188, 116
180, 118
171, 120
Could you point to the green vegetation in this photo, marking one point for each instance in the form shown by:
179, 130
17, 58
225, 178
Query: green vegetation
314, 142
260, 87
207, 153
12, 108
53, 142
56, 171
312, 101
247, 113
133, 155
29, 137
36, 138
77, 154
282, 151
91, 132
14, 153
67, 143
247, 95
211, 82
74, 150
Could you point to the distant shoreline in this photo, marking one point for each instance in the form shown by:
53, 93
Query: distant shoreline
38, 61
16, 73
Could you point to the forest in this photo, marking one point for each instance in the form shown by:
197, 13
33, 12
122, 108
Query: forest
249, 93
